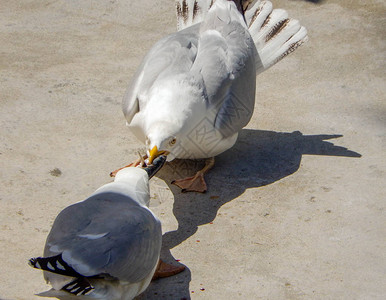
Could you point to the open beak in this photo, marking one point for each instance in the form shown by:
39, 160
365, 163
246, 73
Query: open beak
154, 153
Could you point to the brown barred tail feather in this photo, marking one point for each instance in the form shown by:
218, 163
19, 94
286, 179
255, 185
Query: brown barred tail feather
190, 12
275, 34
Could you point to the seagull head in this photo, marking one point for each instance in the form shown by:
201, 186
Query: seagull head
174, 107
162, 139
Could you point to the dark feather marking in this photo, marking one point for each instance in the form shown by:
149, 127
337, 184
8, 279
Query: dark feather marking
79, 286
185, 10
291, 49
179, 10
276, 29
42, 263
266, 21
196, 9
255, 15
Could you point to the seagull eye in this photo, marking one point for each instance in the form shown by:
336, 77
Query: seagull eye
173, 141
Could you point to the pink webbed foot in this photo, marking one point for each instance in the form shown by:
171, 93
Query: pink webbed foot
165, 270
197, 182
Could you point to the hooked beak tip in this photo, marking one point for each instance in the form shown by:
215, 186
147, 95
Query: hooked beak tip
154, 153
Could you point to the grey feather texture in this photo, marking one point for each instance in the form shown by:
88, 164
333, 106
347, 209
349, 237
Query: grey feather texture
126, 243
107, 246
198, 85
171, 55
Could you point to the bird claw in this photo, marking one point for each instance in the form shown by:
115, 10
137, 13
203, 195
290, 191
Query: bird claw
142, 163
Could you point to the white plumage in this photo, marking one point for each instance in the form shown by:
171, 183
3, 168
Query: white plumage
195, 89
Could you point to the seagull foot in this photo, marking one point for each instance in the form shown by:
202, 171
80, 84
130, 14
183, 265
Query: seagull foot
138, 162
166, 270
192, 184
197, 182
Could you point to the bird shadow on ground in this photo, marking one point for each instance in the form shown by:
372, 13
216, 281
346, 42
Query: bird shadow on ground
315, 1
258, 158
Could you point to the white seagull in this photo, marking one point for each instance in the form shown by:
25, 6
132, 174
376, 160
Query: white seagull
195, 89
107, 246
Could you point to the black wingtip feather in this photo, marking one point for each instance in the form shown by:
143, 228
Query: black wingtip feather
79, 286
54, 264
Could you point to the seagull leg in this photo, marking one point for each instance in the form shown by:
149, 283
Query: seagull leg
166, 270
195, 183
138, 162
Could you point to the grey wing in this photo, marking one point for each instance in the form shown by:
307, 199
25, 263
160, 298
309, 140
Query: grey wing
107, 234
170, 56
225, 60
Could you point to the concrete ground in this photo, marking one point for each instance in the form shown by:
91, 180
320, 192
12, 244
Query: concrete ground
294, 211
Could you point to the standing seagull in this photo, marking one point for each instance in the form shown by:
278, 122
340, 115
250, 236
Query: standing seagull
195, 89
107, 246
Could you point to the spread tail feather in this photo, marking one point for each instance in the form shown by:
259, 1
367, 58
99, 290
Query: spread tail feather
274, 34
190, 12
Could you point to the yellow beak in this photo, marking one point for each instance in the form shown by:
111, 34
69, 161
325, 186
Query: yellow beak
154, 153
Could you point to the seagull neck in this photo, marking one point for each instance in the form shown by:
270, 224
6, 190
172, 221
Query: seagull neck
132, 182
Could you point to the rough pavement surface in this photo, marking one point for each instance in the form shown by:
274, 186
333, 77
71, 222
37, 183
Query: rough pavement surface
294, 211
